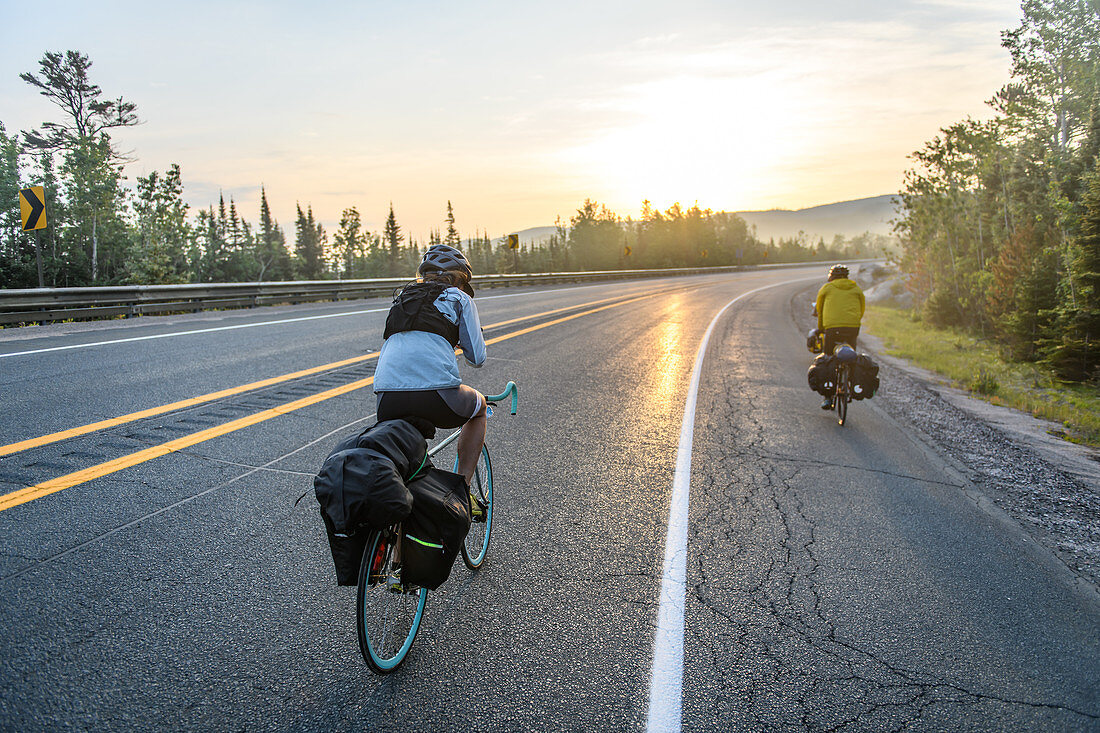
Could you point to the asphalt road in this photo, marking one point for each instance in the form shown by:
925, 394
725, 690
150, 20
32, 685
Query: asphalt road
837, 578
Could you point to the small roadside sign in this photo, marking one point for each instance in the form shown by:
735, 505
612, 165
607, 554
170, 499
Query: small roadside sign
626, 250
32, 208
513, 241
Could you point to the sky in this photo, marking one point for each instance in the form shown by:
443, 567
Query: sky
516, 112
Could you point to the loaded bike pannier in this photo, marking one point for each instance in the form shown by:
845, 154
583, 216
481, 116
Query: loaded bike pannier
436, 528
361, 486
822, 374
864, 378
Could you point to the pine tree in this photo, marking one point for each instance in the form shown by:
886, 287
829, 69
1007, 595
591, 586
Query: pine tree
93, 191
212, 248
1076, 356
65, 83
159, 251
234, 230
451, 239
391, 237
271, 255
348, 244
17, 267
320, 239
310, 246
223, 217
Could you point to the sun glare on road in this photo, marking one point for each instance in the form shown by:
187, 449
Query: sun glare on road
668, 366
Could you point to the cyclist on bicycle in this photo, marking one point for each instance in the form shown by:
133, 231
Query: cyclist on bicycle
417, 372
839, 308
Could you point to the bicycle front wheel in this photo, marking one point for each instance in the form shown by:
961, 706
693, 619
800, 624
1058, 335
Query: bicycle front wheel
476, 546
388, 614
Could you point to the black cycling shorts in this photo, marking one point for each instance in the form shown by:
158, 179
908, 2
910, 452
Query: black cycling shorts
840, 335
444, 408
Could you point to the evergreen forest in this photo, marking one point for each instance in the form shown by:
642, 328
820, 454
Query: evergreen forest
1000, 225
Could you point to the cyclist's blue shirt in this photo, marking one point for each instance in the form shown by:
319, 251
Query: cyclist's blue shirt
418, 360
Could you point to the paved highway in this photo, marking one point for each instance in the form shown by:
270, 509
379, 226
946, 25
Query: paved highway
156, 573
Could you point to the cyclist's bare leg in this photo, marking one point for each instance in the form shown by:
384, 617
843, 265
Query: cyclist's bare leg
470, 440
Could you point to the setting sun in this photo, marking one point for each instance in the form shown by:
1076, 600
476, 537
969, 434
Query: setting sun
711, 140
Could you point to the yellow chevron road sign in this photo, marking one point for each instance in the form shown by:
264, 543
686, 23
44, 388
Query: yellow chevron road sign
32, 208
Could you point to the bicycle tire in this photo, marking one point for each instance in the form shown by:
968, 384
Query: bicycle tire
476, 546
842, 387
387, 615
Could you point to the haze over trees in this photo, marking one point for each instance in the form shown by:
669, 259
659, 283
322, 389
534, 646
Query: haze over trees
1001, 230
102, 231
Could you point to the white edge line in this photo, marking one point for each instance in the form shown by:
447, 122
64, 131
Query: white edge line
667, 678
245, 325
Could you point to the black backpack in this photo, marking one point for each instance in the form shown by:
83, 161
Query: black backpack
414, 310
436, 528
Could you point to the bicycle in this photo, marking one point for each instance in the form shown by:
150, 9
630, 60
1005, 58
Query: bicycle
846, 357
388, 613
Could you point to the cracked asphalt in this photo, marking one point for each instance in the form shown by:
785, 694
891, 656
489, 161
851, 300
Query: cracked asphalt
840, 578
844, 578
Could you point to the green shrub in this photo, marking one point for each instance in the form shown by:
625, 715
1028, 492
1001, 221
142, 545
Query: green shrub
984, 383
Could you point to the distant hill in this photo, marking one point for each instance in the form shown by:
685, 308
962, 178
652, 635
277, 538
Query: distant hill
847, 218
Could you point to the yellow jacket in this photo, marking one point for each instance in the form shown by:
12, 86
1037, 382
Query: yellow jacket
840, 304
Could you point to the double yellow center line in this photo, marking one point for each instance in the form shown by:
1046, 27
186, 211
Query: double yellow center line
30, 493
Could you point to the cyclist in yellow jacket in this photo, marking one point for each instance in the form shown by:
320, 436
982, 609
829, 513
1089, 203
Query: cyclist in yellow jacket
839, 308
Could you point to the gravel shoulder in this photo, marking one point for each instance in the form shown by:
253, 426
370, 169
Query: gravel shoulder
1048, 487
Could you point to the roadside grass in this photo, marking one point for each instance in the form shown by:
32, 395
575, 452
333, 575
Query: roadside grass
976, 365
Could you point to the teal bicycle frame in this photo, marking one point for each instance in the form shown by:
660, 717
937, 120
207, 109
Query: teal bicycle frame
509, 389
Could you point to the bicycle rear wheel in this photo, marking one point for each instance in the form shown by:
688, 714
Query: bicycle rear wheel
476, 546
387, 613
842, 387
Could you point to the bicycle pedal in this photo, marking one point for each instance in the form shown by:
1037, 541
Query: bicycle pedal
478, 509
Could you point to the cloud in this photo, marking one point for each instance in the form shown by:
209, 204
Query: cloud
996, 7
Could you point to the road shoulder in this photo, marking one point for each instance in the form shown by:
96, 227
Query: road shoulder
1081, 462
1049, 487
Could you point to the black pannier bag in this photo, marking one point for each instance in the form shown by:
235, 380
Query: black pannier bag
864, 378
347, 552
436, 528
361, 486
822, 374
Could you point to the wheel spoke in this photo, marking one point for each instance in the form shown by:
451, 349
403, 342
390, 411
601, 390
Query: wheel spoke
476, 546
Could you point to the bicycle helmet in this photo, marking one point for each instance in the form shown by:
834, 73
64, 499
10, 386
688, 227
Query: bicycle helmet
837, 271
443, 258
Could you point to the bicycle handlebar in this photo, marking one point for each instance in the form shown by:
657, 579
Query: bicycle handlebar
511, 389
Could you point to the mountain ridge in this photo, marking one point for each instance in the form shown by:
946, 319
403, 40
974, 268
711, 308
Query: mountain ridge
824, 221
846, 218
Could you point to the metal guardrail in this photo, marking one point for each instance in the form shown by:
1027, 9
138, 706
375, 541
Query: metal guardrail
45, 305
